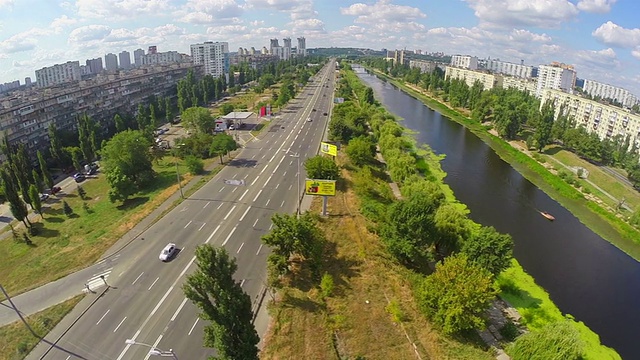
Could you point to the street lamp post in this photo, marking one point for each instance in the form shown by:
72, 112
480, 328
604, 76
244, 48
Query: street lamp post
153, 350
178, 171
297, 156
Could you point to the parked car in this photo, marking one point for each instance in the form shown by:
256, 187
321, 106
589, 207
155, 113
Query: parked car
79, 177
55, 190
167, 253
44, 197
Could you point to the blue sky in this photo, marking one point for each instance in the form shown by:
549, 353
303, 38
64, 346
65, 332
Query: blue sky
600, 37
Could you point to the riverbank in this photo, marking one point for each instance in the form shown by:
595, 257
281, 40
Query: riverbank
592, 215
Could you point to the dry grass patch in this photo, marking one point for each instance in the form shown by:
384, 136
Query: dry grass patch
371, 313
16, 341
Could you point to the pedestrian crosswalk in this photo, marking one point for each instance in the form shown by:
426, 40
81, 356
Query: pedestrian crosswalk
97, 281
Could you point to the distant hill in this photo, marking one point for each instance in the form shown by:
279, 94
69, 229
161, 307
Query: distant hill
345, 52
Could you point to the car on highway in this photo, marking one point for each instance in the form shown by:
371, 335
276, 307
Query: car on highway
167, 253
309, 119
325, 114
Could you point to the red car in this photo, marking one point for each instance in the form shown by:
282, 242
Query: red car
55, 190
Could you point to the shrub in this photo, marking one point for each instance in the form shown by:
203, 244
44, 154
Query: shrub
326, 285
194, 164
509, 331
557, 341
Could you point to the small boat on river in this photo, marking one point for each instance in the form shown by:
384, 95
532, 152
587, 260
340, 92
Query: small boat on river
547, 215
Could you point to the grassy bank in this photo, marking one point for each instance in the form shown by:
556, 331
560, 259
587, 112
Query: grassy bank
594, 216
16, 341
66, 244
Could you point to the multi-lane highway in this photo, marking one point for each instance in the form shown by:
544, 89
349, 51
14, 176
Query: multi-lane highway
146, 302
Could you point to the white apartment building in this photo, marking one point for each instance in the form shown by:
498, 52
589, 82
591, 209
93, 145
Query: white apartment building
465, 61
213, 55
424, 66
522, 84
161, 58
555, 77
302, 46
607, 91
137, 57
58, 74
605, 120
111, 62
489, 81
507, 68
125, 60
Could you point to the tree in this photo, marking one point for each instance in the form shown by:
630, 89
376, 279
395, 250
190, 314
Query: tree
66, 209
293, 236
559, 340
361, 151
36, 203
16, 205
223, 302
55, 144
452, 228
37, 181
368, 96
542, 134
82, 193
85, 134
489, 249
127, 163
221, 145
142, 117
22, 171
198, 119
194, 164
226, 108
153, 117
119, 122
76, 157
44, 170
456, 295
321, 167
168, 112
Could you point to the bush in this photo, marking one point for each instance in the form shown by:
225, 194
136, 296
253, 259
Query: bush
557, 341
194, 164
326, 285
509, 331
396, 312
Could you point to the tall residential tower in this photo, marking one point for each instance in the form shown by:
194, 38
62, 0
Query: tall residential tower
213, 55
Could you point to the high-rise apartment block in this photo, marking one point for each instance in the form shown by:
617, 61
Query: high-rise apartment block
137, 57
465, 61
111, 62
125, 60
94, 66
488, 80
213, 55
161, 58
58, 74
302, 46
152, 50
424, 66
606, 91
286, 49
555, 77
511, 69
27, 81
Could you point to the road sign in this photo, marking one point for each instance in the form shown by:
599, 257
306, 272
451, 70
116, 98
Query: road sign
320, 187
328, 149
234, 182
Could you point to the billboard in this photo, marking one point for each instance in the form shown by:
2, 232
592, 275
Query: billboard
328, 149
338, 100
320, 187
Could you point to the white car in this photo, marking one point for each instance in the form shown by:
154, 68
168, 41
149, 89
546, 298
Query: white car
309, 119
168, 252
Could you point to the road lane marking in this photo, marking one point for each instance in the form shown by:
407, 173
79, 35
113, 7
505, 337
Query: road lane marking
134, 281
245, 213
269, 179
229, 213
267, 204
242, 282
240, 248
105, 314
254, 181
193, 327
201, 226
207, 204
118, 327
271, 226
245, 193
154, 346
175, 315
256, 198
290, 186
219, 206
281, 205
211, 236
229, 236
254, 156
222, 188
290, 162
260, 248
284, 174
246, 176
154, 282
277, 186
234, 189
273, 157
263, 156
265, 168
254, 224
189, 223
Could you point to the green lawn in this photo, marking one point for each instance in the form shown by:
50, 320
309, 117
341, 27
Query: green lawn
67, 244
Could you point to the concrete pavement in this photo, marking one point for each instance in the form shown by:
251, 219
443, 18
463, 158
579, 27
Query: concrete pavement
121, 308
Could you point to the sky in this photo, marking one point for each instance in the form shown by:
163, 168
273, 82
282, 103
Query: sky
601, 38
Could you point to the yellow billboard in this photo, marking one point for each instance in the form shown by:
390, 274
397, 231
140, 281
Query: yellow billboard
328, 149
320, 187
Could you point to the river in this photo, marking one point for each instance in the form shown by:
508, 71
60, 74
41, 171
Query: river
585, 275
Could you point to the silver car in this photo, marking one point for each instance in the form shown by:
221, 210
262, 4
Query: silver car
168, 252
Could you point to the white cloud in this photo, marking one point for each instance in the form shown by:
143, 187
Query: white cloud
58, 24
106, 39
596, 6
209, 11
120, 9
382, 12
6, 4
612, 34
23, 41
522, 13
296, 9
597, 57
636, 53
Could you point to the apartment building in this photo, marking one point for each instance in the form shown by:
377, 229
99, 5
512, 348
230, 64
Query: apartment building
161, 58
555, 77
465, 61
94, 66
256, 61
522, 84
424, 66
606, 91
111, 62
488, 80
125, 60
605, 120
508, 68
137, 57
58, 74
302, 46
213, 55
25, 118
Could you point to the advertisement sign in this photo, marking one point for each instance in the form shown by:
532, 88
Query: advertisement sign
328, 149
338, 100
320, 187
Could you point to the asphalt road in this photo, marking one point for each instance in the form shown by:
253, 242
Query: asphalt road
146, 302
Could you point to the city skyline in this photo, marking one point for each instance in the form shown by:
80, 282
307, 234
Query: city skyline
599, 37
